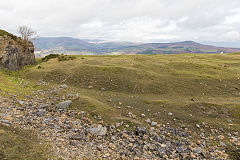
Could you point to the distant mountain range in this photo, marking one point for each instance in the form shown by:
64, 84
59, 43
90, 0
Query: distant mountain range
68, 45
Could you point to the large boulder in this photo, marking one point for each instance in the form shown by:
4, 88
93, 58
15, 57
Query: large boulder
98, 130
64, 105
15, 52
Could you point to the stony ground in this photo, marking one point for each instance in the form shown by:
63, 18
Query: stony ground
74, 136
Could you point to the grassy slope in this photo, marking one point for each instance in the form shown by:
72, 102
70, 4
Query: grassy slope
15, 143
161, 83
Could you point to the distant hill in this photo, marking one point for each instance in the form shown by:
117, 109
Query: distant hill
66, 42
182, 47
68, 45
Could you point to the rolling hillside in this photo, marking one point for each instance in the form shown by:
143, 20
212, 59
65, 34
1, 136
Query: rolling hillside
180, 97
69, 45
180, 83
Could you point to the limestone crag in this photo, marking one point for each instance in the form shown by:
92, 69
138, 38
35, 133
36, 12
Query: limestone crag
15, 52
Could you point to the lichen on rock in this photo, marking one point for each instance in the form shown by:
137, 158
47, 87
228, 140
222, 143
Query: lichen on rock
15, 52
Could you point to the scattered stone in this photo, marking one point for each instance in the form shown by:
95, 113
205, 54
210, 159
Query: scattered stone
140, 131
64, 105
98, 130
41, 112
148, 121
118, 125
5, 122
197, 125
64, 86
21, 102
90, 86
197, 150
222, 144
220, 137
79, 138
100, 147
153, 123
125, 135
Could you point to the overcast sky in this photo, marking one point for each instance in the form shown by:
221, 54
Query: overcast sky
127, 20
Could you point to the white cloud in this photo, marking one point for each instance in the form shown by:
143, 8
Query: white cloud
233, 35
126, 20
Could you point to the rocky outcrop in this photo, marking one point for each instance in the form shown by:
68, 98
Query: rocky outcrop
15, 52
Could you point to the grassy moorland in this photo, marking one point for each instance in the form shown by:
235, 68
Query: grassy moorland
195, 88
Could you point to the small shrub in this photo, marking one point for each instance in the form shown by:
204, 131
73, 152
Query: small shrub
66, 58
50, 56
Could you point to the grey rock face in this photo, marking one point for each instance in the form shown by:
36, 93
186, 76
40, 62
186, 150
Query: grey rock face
98, 130
15, 53
64, 105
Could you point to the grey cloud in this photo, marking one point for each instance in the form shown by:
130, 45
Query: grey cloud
126, 20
